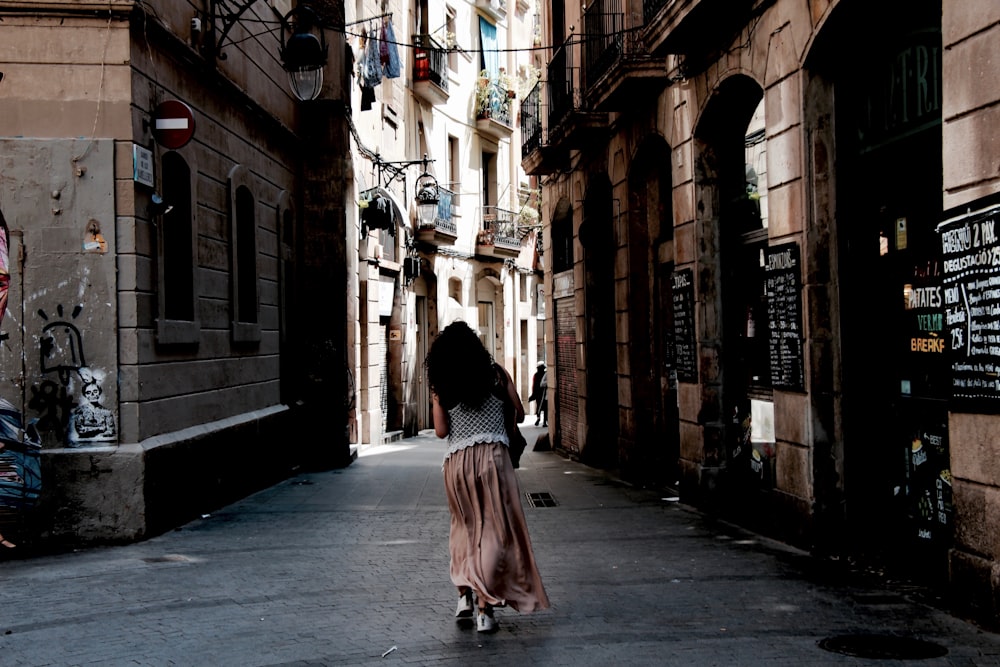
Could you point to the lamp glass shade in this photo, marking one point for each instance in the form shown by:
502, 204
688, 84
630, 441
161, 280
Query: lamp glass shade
304, 57
306, 84
427, 203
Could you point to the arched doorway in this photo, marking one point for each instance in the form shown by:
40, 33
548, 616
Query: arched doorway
563, 396
424, 289
885, 99
651, 228
489, 304
737, 396
597, 237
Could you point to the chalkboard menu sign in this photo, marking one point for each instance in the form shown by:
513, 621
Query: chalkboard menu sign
971, 257
783, 282
685, 350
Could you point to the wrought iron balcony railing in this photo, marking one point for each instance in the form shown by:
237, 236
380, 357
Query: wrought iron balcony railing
443, 231
564, 82
613, 35
494, 102
430, 61
499, 230
531, 121
444, 220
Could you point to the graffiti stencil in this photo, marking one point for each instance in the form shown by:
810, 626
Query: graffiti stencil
61, 346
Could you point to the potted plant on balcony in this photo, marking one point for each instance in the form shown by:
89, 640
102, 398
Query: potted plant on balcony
484, 237
483, 94
527, 217
494, 96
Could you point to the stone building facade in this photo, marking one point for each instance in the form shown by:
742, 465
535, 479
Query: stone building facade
451, 116
199, 296
763, 223
160, 353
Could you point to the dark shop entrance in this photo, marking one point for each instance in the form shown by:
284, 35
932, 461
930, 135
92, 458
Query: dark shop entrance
897, 481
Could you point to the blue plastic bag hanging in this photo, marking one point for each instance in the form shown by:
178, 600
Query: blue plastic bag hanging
391, 60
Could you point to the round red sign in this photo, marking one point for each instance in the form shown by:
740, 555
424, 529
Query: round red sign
173, 124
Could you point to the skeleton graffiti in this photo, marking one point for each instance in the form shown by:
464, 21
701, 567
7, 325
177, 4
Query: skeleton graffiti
90, 421
61, 354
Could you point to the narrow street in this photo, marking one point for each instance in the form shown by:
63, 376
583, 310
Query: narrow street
350, 567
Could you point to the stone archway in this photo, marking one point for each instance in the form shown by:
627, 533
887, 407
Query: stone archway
731, 236
650, 241
876, 153
600, 377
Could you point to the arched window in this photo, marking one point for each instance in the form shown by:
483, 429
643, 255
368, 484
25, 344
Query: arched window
177, 321
243, 257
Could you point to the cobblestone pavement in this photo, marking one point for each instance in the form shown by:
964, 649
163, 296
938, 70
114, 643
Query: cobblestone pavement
350, 567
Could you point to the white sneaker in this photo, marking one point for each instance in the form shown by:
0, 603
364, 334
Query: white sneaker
464, 607
485, 622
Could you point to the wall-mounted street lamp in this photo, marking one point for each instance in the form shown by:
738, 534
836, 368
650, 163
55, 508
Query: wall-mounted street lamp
427, 197
303, 53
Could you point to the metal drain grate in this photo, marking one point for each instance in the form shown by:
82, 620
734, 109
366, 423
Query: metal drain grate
541, 499
883, 647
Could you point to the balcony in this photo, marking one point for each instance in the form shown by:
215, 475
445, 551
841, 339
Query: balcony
695, 30
538, 157
493, 108
430, 70
618, 69
444, 231
498, 235
495, 9
571, 126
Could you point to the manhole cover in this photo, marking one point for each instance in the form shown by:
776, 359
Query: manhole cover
883, 646
541, 499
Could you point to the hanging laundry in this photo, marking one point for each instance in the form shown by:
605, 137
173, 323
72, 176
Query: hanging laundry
383, 47
369, 69
367, 97
372, 68
390, 58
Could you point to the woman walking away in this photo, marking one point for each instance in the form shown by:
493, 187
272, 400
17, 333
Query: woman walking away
491, 554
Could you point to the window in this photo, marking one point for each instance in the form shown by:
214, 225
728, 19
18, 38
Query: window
449, 23
243, 257
387, 239
562, 243
454, 169
489, 176
489, 55
177, 245
455, 291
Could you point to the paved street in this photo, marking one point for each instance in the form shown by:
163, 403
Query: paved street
350, 567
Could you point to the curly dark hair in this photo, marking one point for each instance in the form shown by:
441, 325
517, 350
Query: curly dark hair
459, 368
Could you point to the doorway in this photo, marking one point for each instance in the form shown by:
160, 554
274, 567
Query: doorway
894, 370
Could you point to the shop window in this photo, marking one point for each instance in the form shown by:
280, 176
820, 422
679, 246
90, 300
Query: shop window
177, 253
243, 257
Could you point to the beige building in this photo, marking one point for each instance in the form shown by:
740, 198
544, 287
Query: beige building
162, 352
771, 229
212, 260
449, 118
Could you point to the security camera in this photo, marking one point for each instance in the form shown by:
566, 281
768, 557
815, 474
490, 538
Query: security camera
158, 206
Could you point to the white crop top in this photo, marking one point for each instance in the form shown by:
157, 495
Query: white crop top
468, 427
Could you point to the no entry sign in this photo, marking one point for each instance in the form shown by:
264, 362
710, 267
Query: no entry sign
173, 124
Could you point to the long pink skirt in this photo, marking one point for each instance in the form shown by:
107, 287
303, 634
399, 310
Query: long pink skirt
489, 543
